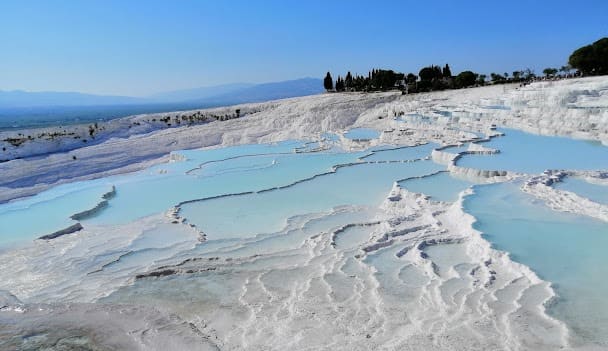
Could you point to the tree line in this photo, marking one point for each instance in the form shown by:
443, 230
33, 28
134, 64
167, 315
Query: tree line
429, 78
588, 60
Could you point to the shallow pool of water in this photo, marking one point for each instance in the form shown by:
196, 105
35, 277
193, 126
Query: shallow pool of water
566, 249
362, 134
593, 192
142, 197
402, 153
280, 197
441, 187
201, 174
266, 212
49, 211
529, 153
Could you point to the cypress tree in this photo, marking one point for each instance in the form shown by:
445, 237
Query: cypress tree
328, 82
339, 84
446, 71
348, 81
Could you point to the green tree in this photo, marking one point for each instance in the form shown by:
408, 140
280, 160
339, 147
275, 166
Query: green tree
430, 73
528, 74
549, 72
466, 79
411, 78
340, 84
497, 78
348, 81
591, 59
382, 79
516, 75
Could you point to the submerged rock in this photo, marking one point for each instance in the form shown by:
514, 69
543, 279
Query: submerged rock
69, 230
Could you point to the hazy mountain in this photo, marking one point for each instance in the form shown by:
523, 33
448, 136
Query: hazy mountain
19, 98
268, 91
198, 93
215, 95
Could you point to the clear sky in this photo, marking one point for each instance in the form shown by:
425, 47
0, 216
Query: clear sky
131, 47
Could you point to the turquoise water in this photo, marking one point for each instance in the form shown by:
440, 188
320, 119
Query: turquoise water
566, 249
211, 173
149, 195
158, 188
225, 172
47, 212
441, 187
330, 137
141, 197
362, 134
363, 184
593, 192
402, 153
563, 248
529, 153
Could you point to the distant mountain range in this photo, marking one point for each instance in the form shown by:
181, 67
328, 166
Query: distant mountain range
19, 98
267, 91
198, 93
214, 95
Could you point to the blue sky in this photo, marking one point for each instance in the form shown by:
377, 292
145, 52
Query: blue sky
141, 47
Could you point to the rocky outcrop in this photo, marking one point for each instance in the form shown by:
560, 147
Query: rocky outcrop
69, 230
95, 210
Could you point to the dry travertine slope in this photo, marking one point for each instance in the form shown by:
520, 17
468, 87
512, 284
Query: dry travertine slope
124, 146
